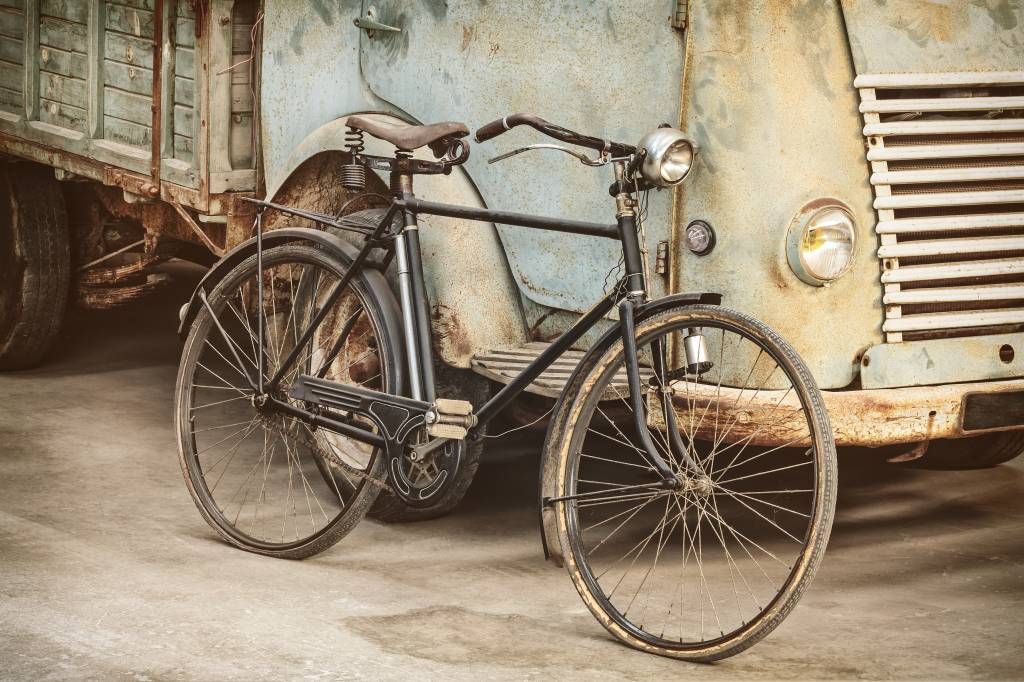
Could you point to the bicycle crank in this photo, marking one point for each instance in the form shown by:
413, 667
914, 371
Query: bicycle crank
423, 442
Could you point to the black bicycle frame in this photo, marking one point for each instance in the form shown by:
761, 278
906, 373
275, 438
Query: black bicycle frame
630, 292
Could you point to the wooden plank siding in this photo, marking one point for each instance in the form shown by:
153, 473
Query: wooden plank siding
128, 73
12, 56
184, 95
77, 81
63, 41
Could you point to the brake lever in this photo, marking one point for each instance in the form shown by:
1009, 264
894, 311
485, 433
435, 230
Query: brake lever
581, 157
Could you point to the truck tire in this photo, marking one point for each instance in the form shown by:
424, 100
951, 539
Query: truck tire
451, 383
978, 452
35, 264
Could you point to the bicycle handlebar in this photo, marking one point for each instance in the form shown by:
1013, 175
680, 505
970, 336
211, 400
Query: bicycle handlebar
499, 126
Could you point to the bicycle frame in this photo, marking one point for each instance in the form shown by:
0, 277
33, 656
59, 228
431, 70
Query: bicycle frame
630, 292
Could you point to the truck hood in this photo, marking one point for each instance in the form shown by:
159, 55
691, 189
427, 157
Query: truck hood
915, 36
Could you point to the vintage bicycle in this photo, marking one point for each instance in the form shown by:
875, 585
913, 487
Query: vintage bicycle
688, 472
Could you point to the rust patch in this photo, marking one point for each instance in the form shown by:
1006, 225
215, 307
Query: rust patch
316, 186
448, 330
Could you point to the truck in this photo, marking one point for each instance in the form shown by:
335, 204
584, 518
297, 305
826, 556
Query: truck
859, 183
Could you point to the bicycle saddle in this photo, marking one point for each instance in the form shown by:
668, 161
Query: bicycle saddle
409, 137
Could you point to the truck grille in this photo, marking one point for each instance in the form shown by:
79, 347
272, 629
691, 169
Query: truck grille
947, 167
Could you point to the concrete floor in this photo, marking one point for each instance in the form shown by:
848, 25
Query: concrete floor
107, 570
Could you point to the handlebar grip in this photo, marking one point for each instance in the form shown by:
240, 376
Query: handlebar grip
491, 130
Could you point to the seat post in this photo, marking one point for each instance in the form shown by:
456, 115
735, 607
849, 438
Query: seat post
415, 306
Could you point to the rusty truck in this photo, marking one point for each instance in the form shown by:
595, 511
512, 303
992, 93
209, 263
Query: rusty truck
860, 182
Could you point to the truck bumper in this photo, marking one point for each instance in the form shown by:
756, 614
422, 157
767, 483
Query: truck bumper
870, 418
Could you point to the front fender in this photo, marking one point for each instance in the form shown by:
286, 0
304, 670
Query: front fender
556, 426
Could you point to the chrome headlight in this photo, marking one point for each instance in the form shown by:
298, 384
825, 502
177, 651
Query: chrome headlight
821, 244
668, 157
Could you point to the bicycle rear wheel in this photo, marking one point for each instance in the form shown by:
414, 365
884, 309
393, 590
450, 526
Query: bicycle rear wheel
267, 482
704, 572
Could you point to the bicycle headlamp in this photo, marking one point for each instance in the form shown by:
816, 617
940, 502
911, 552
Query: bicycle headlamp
668, 157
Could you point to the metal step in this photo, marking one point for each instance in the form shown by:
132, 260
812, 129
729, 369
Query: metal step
505, 364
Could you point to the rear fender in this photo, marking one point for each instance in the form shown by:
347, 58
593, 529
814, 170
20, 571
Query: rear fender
372, 279
556, 426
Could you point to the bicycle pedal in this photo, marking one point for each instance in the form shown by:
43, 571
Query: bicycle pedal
449, 418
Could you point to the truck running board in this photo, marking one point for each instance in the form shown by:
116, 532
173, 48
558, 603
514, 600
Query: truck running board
505, 364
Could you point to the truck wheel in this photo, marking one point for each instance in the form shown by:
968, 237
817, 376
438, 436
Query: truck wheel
451, 383
978, 452
35, 264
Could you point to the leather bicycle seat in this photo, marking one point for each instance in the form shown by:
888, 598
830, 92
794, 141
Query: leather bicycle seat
409, 137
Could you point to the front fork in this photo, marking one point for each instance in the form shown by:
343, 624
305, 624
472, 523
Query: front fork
636, 292
677, 447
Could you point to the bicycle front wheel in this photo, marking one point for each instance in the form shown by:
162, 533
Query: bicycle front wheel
703, 572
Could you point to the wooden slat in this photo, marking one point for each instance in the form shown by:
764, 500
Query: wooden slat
950, 223
945, 151
71, 10
74, 64
937, 79
937, 199
130, 50
62, 89
134, 22
63, 35
989, 292
950, 127
945, 247
128, 106
886, 106
12, 50
958, 320
979, 268
136, 79
63, 115
966, 174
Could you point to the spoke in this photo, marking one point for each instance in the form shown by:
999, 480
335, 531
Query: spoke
222, 440
615, 516
615, 426
223, 426
225, 381
622, 498
642, 545
771, 522
218, 402
765, 473
223, 388
230, 363
737, 534
612, 461
235, 450
749, 496
248, 328
636, 511
663, 539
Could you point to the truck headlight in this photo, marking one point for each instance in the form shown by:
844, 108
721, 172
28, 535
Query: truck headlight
821, 243
668, 157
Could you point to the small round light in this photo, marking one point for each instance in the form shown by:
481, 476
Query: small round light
822, 245
699, 238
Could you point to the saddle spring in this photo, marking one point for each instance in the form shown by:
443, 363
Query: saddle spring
353, 174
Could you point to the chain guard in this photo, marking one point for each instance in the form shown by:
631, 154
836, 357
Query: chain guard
398, 420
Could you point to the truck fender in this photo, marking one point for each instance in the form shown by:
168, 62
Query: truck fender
475, 304
556, 425
371, 278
